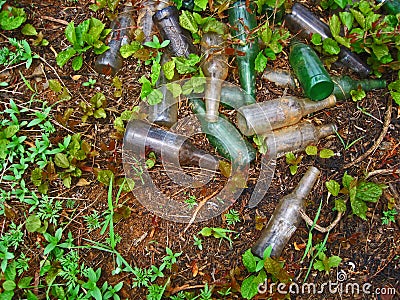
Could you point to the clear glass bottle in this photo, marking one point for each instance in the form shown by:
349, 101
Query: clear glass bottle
224, 136
243, 20
266, 116
111, 61
164, 113
286, 217
168, 145
296, 137
303, 23
215, 67
233, 97
167, 22
145, 17
309, 70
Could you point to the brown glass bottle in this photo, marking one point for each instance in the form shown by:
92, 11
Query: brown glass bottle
111, 61
286, 217
296, 137
215, 67
167, 22
140, 135
164, 113
263, 117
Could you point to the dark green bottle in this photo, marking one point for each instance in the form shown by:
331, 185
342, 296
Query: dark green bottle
243, 20
344, 85
224, 136
274, 14
309, 70
391, 6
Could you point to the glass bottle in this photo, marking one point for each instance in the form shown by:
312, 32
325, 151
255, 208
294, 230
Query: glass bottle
145, 17
274, 14
234, 97
188, 4
343, 85
224, 136
111, 61
297, 137
164, 113
140, 134
390, 6
286, 217
215, 67
243, 20
167, 22
266, 116
304, 23
309, 70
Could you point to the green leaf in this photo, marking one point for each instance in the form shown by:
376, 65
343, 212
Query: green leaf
340, 205
311, 150
169, 69
334, 25
380, 50
11, 272
33, 223
174, 88
357, 95
146, 87
10, 131
334, 261
347, 180
130, 49
36, 176
330, 46
9, 285
342, 3
206, 231
95, 29
290, 158
155, 72
347, 19
201, 4
395, 96
77, 63
249, 287
326, 153
293, 169
104, 176
359, 17
316, 39
194, 85
333, 187
214, 25
70, 33
12, 18
249, 261
24, 282
319, 265
55, 85
98, 100
100, 113
61, 160
187, 21
368, 191
154, 97
28, 29
63, 57
260, 62
359, 208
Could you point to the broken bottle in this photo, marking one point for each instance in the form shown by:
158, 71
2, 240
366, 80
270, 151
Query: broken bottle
286, 217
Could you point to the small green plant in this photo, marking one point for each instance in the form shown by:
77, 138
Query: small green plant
218, 233
169, 259
232, 217
21, 53
293, 162
358, 191
324, 263
198, 242
348, 145
90, 83
205, 293
323, 153
388, 216
11, 17
87, 35
151, 161
191, 201
93, 220
95, 108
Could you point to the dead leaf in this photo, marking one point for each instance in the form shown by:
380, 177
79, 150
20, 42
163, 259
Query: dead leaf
76, 77
82, 182
195, 268
299, 247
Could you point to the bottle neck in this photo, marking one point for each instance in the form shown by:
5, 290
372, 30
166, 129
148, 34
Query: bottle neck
306, 183
310, 106
325, 130
372, 84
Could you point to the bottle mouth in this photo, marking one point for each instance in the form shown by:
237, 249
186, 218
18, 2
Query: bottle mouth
320, 87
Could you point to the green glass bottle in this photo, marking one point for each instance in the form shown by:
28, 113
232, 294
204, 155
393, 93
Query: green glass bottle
391, 6
224, 136
233, 97
274, 14
308, 68
243, 21
344, 85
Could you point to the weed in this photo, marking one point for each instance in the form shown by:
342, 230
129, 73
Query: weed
217, 232
293, 162
191, 201
232, 217
93, 220
48, 209
90, 83
169, 259
21, 53
388, 216
346, 145
198, 242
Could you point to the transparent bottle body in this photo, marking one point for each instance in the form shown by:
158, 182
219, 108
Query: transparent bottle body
296, 137
167, 144
263, 117
214, 66
145, 17
167, 22
286, 217
243, 20
224, 137
111, 61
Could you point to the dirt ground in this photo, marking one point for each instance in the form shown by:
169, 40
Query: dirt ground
369, 250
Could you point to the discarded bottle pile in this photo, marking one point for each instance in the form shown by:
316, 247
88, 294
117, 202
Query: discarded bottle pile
278, 121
